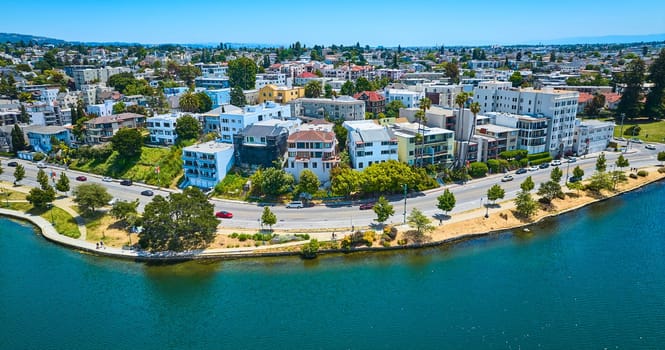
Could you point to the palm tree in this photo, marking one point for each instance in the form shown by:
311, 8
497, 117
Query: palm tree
188, 102
460, 100
421, 116
475, 109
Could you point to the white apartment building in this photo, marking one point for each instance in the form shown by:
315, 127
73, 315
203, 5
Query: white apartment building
162, 128
206, 164
227, 120
531, 131
592, 136
438, 145
370, 143
278, 79
410, 99
95, 75
560, 107
313, 147
444, 95
343, 107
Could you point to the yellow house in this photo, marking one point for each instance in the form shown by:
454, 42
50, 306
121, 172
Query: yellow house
280, 94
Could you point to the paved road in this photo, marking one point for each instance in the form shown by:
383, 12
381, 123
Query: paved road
246, 215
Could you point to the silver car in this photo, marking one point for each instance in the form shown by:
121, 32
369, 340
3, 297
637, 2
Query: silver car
295, 204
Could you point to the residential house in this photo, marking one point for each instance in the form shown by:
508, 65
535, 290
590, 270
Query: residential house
227, 120
304, 78
260, 145
370, 143
162, 128
583, 100
206, 164
219, 97
374, 102
313, 147
101, 129
40, 137
212, 82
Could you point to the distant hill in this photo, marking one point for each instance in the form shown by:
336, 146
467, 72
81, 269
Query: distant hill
607, 39
14, 38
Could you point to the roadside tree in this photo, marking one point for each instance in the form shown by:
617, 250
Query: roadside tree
89, 197
268, 217
446, 201
127, 142
125, 212
527, 185
525, 205
40, 198
19, 173
601, 163
622, 162
63, 183
556, 174
495, 192
421, 222
383, 210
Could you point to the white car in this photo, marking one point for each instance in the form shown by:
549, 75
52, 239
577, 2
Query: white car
41, 165
295, 204
650, 146
107, 179
532, 168
555, 162
507, 178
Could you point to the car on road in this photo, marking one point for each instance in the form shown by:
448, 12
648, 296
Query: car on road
544, 165
41, 165
635, 140
224, 214
620, 139
12, 164
650, 146
574, 179
107, 179
147, 193
507, 178
366, 206
81, 178
532, 168
520, 171
572, 160
555, 162
126, 182
295, 204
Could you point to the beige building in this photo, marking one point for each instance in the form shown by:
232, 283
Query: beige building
280, 94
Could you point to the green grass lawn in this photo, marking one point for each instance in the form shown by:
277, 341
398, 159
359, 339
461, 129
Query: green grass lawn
231, 187
141, 169
63, 222
655, 130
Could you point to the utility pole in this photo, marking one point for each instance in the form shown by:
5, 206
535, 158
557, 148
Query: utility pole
623, 115
404, 222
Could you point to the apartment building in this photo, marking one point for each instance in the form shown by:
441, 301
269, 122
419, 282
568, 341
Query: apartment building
280, 94
83, 76
506, 137
206, 164
531, 131
260, 145
228, 120
162, 128
592, 136
438, 146
410, 99
343, 107
375, 103
436, 117
101, 129
313, 147
370, 143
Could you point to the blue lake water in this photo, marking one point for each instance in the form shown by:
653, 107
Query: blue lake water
590, 279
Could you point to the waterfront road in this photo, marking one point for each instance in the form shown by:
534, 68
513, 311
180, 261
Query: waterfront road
471, 195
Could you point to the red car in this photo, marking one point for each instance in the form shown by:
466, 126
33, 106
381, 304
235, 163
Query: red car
81, 178
224, 215
366, 206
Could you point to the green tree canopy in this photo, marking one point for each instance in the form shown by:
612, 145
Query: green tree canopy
127, 142
601, 163
525, 205
347, 88
42, 179
89, 197
242, 73
63, 183
268, 217
187, 128
495, 192
309, 182
204, 102
119, 107
633, 77
313, 89
125, 212
578, 172
41, 198
420, 221
19, 173
189, 102
622, 162
556, 174
18, 139
527, 185
655, 104
238, 97
478, 169
550, 190
383, 209
392, 108
446, 201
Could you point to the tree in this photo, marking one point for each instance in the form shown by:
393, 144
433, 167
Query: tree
42, 179
393, 107
18, 139
460, 101
420, 221
125, 211
180, 222
622, 162
268, 217
127, 142
655, 104
63, 183
238, 97
309, 182
478, 169
527, 185
362, 84
595, 105
661, 156
633, 77
446, 201
189, 102
383, 209
600, 180
275, 182
516, 79
550, 190
495, 192
347, 88
525, 205
601, 163
578, 172
577, 186
341, 133
310, 249
556, 174
313, 89
188, 73
344, 181
90, 197
19, 173
41, 198
119, 108
242, 73
328, 91
452, 72
204, 102
24, 117
187, 128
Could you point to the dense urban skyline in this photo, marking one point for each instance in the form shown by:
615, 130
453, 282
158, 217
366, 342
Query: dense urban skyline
386, 23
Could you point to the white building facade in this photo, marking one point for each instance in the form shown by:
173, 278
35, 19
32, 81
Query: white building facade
370, 143
206, 164
592, 136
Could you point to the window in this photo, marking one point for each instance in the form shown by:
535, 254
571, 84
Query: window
305, 165
314, 165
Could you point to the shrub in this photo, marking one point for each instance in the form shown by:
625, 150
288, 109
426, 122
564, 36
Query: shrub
478, 169
243, 237
661, 170
393, 232
38, 156
234, 235
346, 242
385, 244
402, 241
368, 238
303, 236
633, 176
642, 173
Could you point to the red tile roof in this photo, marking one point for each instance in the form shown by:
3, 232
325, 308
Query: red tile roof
585, 97
372, 96
612, 97
307, 75
312, 135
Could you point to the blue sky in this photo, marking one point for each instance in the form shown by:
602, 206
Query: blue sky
371, 22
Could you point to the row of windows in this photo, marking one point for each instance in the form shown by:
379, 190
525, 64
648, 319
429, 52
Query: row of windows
310, 145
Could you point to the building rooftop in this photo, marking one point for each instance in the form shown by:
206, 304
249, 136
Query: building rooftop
46, 130
495, 128
209, 147
115, 117
312, 135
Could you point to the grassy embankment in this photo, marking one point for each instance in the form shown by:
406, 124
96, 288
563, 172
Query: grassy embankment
141, 168
655, 129
63, 222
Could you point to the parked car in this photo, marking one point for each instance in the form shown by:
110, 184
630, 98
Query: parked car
520, 171
81, 178
507, 178
148, 193
544, 165
574, 179
12, 164
650, 146
41, 165
532, 168
635, 140
224, 214
555, 162
295, 204
113, 201
366, 206
126, 182
572, 160
620, 139
107, 179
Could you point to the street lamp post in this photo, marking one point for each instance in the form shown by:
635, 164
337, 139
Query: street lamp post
404, 221
487, 211
567, 171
